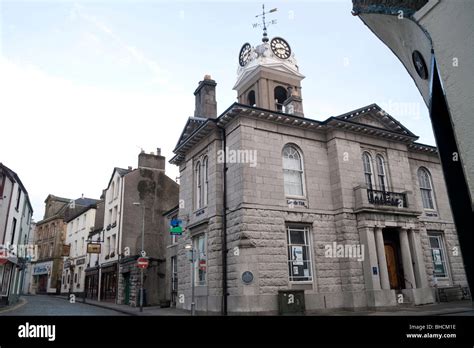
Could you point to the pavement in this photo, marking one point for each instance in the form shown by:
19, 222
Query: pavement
43, 305
456, 308
60, 305
135, 311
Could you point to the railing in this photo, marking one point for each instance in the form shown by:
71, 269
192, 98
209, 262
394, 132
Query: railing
393, 199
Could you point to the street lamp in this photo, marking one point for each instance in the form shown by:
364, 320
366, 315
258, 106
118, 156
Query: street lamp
142, 252
190, 249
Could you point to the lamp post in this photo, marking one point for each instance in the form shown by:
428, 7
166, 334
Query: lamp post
190, 248
142, 251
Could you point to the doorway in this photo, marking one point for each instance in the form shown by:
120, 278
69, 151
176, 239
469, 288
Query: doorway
393, 257
126, 288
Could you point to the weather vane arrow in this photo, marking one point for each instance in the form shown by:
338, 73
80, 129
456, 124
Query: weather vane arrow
264, 23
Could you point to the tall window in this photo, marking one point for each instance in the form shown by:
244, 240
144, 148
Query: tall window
112, 243
299, 255
426, 188
12, 241
205, 170
292, 171
112, 191
438, 255
367, 160
198, 185
381, 173
200, 264
18, 199
117, 186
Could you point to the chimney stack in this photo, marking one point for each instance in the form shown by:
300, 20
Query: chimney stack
205, 93
151, 161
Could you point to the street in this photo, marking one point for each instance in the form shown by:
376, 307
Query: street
50, 305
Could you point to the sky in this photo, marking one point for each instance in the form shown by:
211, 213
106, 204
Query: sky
85, 85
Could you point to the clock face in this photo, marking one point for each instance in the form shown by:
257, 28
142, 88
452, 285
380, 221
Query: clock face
244, 54
280, 48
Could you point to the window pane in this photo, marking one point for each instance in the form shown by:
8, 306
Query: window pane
299, 256
296, 237
293, 183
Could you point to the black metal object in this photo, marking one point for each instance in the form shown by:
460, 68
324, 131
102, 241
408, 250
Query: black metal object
456, 183
291, 302
393, 199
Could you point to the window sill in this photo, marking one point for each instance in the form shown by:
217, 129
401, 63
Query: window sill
303, 198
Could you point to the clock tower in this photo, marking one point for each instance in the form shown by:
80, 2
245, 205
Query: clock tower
268, 76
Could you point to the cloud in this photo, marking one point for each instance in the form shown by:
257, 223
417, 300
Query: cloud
160, 75
65, 138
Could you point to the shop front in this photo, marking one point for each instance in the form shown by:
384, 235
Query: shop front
108, 284
91, 285
41, 277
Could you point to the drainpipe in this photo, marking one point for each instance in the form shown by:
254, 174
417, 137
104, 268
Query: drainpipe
224, 226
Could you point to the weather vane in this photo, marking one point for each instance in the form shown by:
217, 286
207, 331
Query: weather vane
264, 24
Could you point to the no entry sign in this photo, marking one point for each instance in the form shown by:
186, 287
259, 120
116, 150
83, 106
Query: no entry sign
142, 262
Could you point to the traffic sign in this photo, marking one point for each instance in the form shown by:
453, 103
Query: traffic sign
142, 262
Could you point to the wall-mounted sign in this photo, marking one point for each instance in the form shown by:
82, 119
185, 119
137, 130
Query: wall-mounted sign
247, 277
67, 264
66, 250
41, 269
93, 248
175, 227
81, 261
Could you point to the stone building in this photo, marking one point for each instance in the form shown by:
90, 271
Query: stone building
50, 237
92, 279
15, 224
136, 199
79, 226
350, 210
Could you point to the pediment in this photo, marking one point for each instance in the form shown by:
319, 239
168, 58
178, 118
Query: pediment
373, 115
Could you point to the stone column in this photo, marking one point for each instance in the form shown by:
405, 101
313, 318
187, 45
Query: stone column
406, 259
367, 238
383, 271
417, 255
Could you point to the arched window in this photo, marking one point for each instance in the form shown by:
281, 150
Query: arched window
293, 171
381, 173
205, 170
251, 98
112, 191
426, 188
198, 185
280, 95
368, 172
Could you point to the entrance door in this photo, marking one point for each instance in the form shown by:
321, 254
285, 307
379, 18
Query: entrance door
126, 279
42, 283
392, 266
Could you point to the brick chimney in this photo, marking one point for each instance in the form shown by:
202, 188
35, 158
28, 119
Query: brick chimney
151, 161
206, 105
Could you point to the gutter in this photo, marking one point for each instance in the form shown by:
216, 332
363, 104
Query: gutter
224, 227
